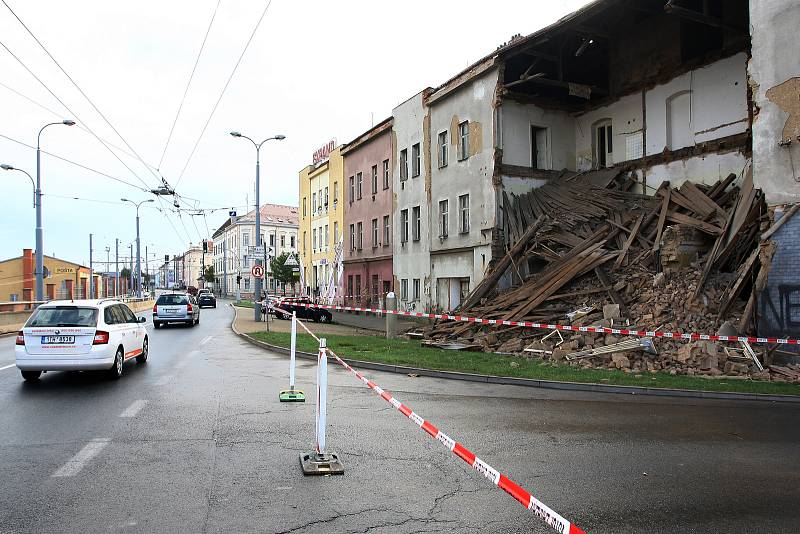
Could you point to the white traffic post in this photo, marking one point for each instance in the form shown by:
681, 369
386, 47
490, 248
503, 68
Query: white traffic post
293, 348
322, 395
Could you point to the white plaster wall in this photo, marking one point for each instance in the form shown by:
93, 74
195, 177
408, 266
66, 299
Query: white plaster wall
412, 259
775, 61
626, 119
718, 96
701, 169
515, 139
519, 186
473, 176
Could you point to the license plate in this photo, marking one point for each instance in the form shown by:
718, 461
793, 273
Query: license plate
171, 311
57, 340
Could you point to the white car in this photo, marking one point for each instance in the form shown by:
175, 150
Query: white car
80, 335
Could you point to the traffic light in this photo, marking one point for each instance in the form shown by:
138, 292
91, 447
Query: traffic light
166, 258
205, 245
238, 280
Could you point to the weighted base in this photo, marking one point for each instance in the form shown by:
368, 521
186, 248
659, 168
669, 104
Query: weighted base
321, 464
292, 395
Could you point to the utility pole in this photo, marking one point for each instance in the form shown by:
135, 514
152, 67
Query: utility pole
146, 270
116, 266
130, 274
91, 270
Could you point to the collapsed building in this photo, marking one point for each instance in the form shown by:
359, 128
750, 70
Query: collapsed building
660, 135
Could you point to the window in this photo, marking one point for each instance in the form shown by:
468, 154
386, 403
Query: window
335, 232
352, 237
540, 151
404, 289
603, 144
374, 286
415, 160
415, 289
335, 192
247, 283
463, 140
246, 239
327, 237
358, 285
291, 241
404, 164
374, 179
386, 174
386, 231
352, 189
326, 198
350, 285
403, 226
304, 206
443, 216
314, 236
360, 228
313, 204
359, 180
283, 240
305, 242
415, 223
374, 233
443, 149
463, 208
272, 240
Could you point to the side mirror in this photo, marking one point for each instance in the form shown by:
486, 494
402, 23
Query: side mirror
142, 319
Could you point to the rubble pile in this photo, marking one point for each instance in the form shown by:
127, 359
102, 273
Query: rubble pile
586, 251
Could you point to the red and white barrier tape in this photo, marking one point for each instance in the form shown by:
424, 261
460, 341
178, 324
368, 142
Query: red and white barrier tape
543, 326
524, 497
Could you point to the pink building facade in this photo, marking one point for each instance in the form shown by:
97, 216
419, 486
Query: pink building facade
368, 217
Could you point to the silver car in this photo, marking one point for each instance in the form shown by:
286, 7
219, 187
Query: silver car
176, 308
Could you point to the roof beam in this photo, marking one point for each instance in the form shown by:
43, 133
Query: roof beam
539, 79
698, 17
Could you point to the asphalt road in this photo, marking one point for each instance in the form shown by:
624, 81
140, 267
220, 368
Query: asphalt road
196, 441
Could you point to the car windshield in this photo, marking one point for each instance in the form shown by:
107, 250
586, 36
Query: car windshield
63, 316
172, 300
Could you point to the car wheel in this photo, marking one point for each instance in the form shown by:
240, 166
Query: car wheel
156, 325
116, 370
323, 318
31, 376
198, 320
142, 358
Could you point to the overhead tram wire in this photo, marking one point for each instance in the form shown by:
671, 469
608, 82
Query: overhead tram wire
110, 177
57, 114
214, 109
80, 90
75, 115
188, 84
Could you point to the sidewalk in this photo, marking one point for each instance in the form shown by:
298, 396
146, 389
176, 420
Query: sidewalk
244, 323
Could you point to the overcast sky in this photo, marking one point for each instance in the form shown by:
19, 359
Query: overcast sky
315, 70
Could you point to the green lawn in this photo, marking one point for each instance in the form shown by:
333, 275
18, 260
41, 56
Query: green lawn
244, 303
411, 353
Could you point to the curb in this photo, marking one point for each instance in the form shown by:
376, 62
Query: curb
532, 382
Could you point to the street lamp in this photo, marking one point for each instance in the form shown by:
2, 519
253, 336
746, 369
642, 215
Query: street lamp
138, 257
257, 311
38, 196
10, 168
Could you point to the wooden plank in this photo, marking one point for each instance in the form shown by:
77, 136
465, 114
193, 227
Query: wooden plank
733, 291
615, 297
661, 220
720, 187
634, 232
698, 197
703, 226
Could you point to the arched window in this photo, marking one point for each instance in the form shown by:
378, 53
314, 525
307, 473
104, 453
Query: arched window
679, 120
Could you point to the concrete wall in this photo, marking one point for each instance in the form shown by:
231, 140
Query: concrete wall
515, 135
774, 72
463, 255
412, 259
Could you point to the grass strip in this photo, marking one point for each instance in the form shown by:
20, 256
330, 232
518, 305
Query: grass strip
410, 353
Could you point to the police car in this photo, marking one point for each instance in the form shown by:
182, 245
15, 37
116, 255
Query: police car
80, 335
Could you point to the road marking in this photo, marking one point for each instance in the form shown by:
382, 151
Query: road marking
164, 380
75, 464
8, 366
206, 340
133, 409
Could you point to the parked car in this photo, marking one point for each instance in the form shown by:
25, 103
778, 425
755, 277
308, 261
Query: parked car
176, 308
303, 308
79, 335
206, 298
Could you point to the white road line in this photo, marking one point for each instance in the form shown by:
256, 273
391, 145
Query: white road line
75, 464
133, 409
206, 340
164, 380
8, 366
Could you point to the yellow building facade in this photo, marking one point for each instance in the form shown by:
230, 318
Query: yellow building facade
321, 219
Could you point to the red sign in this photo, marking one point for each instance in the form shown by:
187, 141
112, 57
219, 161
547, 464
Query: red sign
322, 153
257, 271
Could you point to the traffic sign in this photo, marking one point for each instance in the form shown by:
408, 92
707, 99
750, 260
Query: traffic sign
290, 260
256, 251
257, 271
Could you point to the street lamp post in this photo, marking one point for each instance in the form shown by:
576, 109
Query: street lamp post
257, 293
39, 232
10, 168
138, 251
